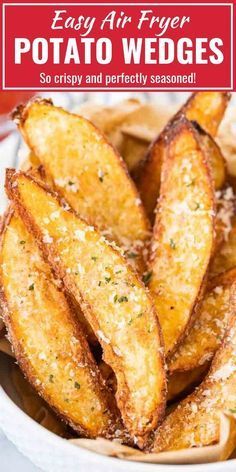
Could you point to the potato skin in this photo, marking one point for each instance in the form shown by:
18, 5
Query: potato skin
89, 173
183, 234
196, 420
47, 340
207, 109
113, 299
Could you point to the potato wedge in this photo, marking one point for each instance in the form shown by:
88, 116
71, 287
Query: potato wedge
48, 343
207, 332
183, 234
225, 258
196, 420
181, 383
207, 109
112, 298
88, 173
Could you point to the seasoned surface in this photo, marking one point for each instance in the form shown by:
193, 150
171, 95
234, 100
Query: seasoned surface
89, 173
225, 257
113, 299
180, 383
47, 341
183, 233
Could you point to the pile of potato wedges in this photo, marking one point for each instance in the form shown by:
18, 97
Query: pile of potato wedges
118, 270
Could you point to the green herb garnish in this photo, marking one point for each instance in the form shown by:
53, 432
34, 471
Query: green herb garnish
122, 299
147, 277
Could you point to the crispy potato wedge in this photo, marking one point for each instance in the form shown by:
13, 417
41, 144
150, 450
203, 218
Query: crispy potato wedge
183, 234
112, 297
207, 109
88, 173
48, 344
196, 420
207, 332
181, 383
225, 258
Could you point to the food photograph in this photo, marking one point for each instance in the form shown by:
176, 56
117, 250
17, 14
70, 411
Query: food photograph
118, 280
117, 236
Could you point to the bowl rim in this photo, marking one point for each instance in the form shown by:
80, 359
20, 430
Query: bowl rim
95, 457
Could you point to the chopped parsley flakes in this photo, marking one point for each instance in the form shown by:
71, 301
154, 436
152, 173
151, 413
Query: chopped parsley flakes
147, 277
172, 244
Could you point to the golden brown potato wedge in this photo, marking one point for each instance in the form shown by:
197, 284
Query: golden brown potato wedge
225, 257
207, 109
207, 332
196, 420
113, 299
88, 173
181, 383
48, 343
183, 234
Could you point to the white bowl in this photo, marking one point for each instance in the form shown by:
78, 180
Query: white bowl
54, 454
